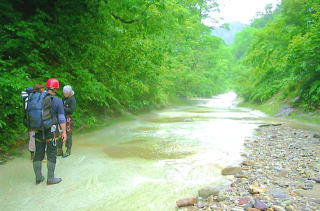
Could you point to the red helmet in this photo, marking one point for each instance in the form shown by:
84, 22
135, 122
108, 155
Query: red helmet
53, 83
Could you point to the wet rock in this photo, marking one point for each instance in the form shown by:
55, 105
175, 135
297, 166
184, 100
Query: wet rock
255, 189
290, 208
265, 197
202, 204
248, 163
268, 125
307, 186
283, 184
186, 202
221, 197
285, 110
241, 175
287, 203
236, 209
191, 208
317, 201
206, 192
259, 204
278, 208
317, 180
230, 171
244, 155
244, 201
279, 193
253, 209
316, 136
284, 173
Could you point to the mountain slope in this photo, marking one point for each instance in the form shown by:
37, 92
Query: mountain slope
228, 34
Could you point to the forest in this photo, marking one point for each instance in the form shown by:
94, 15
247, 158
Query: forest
278, 55
117, 55
139, 54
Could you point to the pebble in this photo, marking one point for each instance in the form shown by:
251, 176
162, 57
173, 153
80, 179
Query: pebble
288, 202
278, 208
243, 201
241, 175
280, 170
284, 173
290, 208
255, 189
259, 205
236, 209
279, 193
202, 204
221, 197
248, 163
253, 209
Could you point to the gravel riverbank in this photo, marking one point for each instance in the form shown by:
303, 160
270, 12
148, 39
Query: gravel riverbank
280, 172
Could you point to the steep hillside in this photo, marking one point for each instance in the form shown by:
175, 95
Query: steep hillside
228, 31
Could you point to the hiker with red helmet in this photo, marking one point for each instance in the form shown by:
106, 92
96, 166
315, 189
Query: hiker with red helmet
47, 118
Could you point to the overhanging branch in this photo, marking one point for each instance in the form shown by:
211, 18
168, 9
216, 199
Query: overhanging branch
123, 20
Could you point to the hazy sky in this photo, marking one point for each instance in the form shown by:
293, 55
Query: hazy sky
239, 10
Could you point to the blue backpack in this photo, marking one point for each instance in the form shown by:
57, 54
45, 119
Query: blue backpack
39, 114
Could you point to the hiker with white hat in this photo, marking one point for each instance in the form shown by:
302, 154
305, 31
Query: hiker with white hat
69, 103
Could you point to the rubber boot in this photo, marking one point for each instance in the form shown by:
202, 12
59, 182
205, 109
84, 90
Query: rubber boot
37, 171
59, 152
51, 179
68, 153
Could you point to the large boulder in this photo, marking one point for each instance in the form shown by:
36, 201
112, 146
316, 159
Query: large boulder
186, 202
206, 192
230, 170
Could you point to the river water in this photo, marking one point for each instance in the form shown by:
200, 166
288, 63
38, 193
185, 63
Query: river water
144, 163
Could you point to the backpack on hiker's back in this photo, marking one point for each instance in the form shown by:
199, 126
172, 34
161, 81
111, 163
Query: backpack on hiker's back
38, 111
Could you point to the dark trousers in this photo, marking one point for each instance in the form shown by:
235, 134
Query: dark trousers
42, 147
68, 143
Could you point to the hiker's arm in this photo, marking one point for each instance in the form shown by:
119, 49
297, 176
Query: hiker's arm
64, 133
62, 121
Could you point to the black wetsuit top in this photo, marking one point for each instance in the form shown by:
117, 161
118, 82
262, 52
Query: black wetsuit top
69, 105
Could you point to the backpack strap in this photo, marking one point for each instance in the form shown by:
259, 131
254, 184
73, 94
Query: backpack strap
26, 107
46, 94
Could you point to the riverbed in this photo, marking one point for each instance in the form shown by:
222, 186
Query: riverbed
144, 163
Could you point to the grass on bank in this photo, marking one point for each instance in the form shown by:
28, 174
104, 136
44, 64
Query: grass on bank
274, 106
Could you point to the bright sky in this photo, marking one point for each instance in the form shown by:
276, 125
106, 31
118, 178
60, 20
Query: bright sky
238, 10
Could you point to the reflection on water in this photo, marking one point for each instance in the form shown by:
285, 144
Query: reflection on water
141, 164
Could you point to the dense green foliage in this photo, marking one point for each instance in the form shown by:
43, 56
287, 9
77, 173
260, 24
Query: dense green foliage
118, 55
278, 54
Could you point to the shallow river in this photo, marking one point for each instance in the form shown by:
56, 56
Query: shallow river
144, 163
